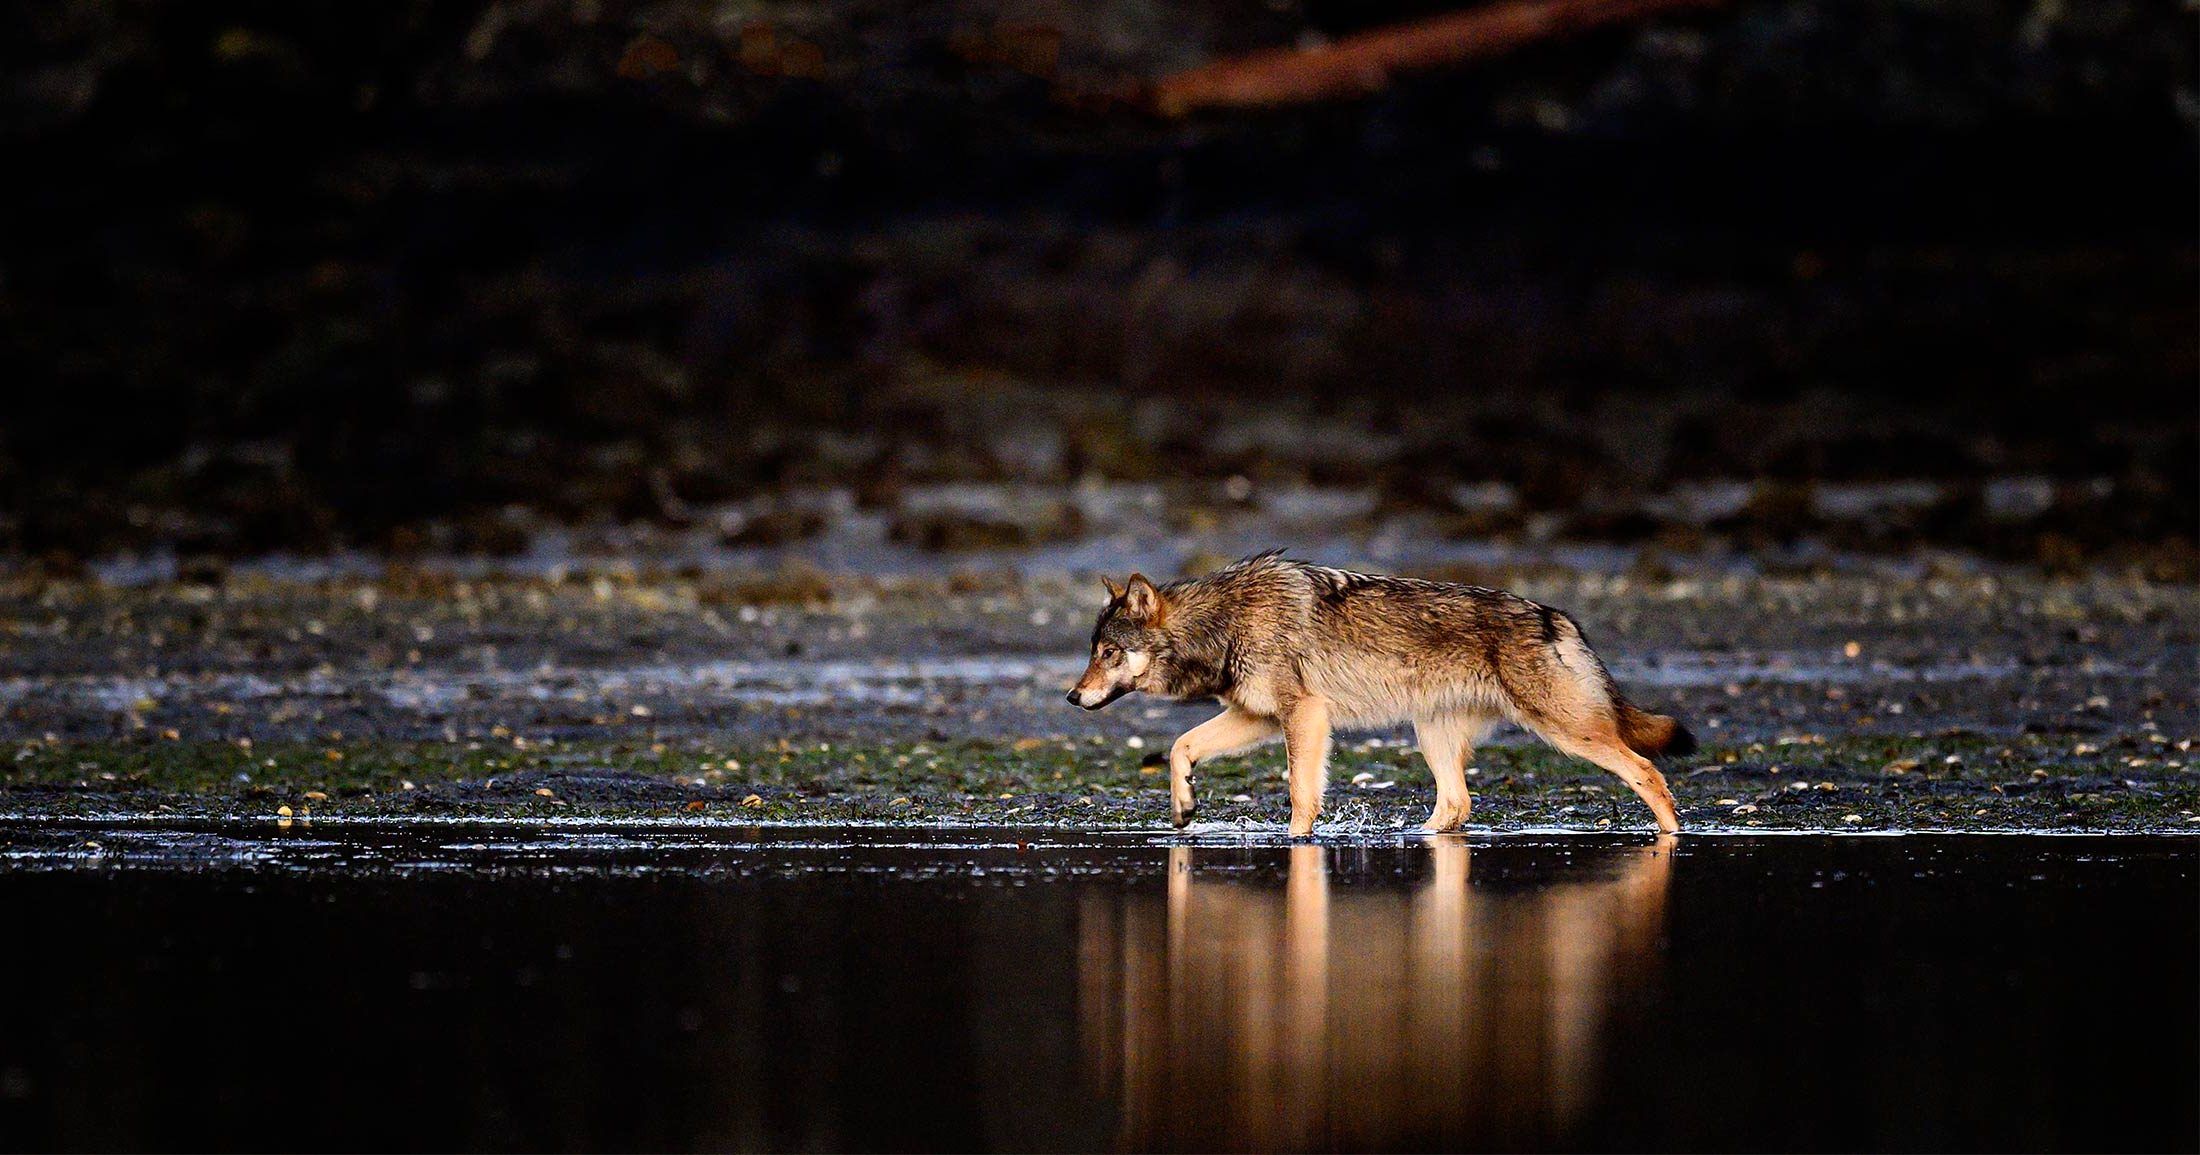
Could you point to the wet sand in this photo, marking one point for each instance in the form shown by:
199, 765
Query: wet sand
1990, 701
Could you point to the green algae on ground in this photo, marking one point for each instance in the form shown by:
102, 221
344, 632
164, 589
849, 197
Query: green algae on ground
1952, 780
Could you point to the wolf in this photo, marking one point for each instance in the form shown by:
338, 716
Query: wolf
1298, 650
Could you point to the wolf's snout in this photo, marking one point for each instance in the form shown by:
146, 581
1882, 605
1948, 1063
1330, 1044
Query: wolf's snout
1071, 697
1085, 699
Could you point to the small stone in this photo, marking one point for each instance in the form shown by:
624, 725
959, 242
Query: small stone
1852, 818
1745, 808
545, 792
316, 796
282, 811
1135, 742
753, 802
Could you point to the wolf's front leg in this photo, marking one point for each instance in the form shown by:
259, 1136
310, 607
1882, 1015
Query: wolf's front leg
1232, 729
1306, 746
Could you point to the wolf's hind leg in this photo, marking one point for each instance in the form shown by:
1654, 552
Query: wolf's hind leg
1601, 744
1447, 743
1232, 729
1306, 745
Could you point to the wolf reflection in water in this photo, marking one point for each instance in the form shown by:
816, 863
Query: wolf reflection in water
1236, 1017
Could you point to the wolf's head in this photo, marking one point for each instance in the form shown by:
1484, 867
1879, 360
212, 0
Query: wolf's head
1128, 645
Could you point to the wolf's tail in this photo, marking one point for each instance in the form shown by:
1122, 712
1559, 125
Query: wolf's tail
1654, 735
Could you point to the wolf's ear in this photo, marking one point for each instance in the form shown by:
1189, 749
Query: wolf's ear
1143, 602
1114, 591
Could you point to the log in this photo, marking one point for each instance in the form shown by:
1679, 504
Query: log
1364, 62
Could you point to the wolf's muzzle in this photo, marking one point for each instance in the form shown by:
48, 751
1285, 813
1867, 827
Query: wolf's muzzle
1114, 692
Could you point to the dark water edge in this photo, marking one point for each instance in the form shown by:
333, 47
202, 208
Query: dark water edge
415, 986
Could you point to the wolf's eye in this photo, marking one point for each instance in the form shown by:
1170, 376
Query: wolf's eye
1107, 653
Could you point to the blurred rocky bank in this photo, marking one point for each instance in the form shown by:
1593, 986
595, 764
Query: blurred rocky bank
857, 280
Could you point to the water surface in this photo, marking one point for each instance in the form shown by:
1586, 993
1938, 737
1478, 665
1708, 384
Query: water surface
423, 986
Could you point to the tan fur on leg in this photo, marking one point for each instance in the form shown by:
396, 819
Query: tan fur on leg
1607, 750
1233, 729
1447, 742
1306, 742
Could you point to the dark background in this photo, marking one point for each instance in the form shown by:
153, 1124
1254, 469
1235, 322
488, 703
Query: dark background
405, 277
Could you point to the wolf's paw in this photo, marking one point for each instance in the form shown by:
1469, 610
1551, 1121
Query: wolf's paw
1445, 819
1182, 815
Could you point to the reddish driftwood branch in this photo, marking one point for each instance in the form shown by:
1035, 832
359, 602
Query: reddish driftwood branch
1365, 62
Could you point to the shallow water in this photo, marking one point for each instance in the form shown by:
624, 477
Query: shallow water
508, 986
